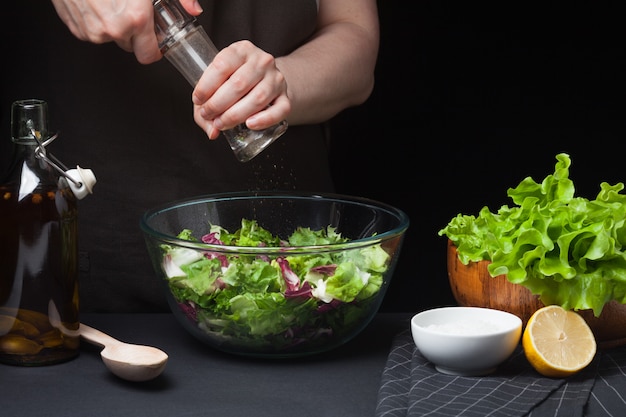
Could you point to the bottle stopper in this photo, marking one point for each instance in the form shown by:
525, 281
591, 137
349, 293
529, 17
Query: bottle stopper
83, 181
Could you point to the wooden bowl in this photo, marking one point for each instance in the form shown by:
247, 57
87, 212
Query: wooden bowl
472, 286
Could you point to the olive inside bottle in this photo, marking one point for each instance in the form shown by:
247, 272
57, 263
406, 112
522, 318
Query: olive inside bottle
39, 303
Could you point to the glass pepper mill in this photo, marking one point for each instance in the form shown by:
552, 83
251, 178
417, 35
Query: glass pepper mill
39, 301
186, 45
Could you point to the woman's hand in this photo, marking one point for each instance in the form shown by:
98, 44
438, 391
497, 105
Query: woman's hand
241, 85
128, 23
334, 70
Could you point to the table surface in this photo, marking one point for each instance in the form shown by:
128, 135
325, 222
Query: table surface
200, 381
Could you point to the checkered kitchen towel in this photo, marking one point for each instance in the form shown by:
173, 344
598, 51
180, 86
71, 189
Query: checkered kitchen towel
411, 387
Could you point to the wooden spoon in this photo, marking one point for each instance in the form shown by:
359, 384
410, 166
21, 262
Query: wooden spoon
128, 361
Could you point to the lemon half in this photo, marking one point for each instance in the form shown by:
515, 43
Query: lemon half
558, 342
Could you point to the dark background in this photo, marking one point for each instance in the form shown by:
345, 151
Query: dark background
469, 100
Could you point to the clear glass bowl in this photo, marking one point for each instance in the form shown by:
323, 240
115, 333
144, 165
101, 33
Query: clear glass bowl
339, 287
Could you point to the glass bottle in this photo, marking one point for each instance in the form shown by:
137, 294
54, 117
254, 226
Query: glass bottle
39, 316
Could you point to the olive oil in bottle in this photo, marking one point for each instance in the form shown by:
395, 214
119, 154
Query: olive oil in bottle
39, 305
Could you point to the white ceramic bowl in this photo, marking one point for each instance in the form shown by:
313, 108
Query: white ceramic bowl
468, 341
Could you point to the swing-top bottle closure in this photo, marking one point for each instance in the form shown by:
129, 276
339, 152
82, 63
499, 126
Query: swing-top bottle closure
81, 181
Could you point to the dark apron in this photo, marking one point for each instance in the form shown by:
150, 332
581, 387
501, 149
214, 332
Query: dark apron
133, 125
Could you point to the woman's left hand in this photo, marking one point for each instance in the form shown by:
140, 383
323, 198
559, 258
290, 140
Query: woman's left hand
241, 85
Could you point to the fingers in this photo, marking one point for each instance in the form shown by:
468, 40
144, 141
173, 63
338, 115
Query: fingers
206, 125
273, 114
192, 7
130, 24
145, 46
264, 119
242, 84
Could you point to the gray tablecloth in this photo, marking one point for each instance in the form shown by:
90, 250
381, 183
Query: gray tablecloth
200, 381
410, 386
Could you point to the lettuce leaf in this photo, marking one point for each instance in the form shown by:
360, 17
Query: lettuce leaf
276, 302
567, 249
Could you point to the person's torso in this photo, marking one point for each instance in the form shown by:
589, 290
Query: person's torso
276, 26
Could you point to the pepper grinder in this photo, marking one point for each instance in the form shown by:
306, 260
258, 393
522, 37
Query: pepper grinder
186, 45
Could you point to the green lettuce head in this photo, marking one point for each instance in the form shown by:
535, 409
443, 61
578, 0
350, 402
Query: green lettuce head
568, 250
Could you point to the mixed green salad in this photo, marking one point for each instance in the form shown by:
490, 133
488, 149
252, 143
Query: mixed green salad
258, 302
567, 249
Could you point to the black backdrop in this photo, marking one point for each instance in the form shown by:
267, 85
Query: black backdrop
472, 98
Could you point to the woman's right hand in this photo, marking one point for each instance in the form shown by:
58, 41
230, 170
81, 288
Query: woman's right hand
128, 23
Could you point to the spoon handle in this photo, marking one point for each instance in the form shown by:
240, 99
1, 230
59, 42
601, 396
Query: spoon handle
96, 336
